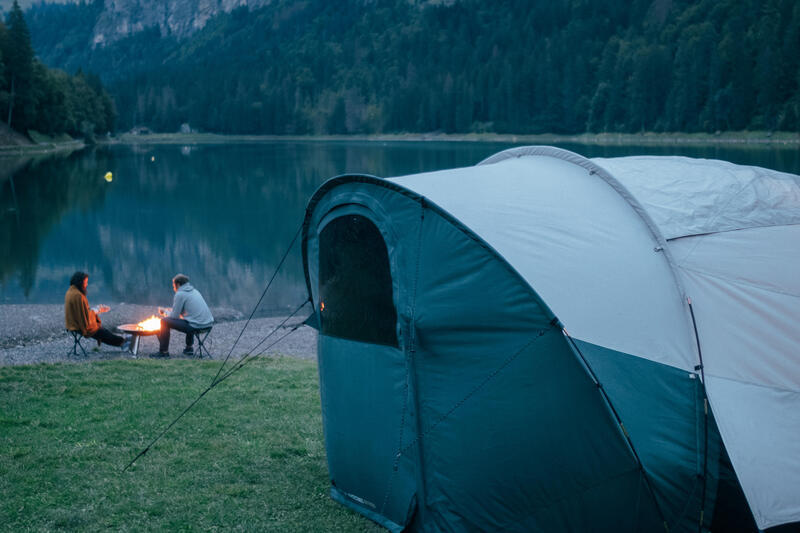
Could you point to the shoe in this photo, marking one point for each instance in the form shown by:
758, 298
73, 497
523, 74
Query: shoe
159, 355
126, 343
188, 351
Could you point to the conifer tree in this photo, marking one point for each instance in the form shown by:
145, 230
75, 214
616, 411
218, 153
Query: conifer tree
19, 66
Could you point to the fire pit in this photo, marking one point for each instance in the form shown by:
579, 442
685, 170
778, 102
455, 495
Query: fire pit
148, 326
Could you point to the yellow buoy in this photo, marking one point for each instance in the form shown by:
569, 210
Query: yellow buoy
108, 177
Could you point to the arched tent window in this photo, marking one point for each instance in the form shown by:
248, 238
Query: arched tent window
355, 282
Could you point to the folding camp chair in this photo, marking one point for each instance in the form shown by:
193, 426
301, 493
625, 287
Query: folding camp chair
201, 335
76, 342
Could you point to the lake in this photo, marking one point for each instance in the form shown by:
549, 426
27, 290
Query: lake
222, 214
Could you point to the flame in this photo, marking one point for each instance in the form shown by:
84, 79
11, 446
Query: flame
150, 324
322, 306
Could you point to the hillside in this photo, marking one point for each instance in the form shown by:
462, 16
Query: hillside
358, 66
5, 5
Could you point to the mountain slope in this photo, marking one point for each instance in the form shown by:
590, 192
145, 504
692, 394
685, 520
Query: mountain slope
361, 66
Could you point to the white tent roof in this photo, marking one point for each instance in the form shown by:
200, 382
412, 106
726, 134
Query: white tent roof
687, 196
616, 246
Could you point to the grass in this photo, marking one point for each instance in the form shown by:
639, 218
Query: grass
249, 456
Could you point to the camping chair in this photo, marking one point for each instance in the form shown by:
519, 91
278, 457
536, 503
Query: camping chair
201, 335
77, 336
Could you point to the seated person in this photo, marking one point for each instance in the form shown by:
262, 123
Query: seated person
189, 313
79, 317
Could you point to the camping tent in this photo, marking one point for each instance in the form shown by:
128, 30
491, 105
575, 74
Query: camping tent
527, 344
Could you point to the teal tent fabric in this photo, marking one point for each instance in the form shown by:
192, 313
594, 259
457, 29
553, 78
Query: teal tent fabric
362, 390
662, 408
486, 415
511, 424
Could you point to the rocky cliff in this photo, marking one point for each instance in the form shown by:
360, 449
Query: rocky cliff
178, 18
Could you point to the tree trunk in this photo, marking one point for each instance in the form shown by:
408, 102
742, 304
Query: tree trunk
11, 102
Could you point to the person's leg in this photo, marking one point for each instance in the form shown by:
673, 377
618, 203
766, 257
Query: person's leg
163, 336
105, 336
189, 339
177, 324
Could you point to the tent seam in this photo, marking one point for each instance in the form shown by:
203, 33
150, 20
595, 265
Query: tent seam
759, 385
690, 235
493, 374
738, 282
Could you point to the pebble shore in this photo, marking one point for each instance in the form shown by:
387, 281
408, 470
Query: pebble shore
31, 334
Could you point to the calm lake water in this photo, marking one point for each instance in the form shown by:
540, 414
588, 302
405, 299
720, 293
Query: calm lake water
222, 214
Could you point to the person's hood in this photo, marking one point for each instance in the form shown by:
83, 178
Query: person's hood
186, 287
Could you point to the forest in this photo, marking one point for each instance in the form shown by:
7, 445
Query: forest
507, 66
49, 101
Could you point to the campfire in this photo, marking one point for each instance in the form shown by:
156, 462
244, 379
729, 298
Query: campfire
150, 324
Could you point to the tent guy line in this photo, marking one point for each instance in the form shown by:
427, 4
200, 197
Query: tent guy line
258, 303
249, 355
225, 376
217, 379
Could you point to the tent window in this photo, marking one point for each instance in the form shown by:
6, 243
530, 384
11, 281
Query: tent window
355, 282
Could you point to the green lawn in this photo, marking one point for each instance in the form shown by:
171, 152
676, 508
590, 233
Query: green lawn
248, 457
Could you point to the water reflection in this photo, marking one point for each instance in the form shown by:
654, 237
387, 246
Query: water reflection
222, 214
34, 197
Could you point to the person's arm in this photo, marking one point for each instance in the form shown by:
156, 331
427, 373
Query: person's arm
177, 305
90, 320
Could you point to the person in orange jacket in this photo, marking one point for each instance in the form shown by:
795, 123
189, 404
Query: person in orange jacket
79, 317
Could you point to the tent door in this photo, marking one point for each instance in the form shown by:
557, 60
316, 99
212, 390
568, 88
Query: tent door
363, 373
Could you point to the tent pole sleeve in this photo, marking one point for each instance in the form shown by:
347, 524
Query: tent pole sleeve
411, 358
705, 416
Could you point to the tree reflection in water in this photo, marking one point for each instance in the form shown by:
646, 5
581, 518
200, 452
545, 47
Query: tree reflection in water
222, 214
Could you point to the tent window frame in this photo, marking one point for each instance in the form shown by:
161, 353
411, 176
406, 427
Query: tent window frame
376, 320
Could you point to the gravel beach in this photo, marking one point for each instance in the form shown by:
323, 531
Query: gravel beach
31, 334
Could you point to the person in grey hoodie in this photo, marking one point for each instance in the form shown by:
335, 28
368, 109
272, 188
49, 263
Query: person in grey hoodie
189, 313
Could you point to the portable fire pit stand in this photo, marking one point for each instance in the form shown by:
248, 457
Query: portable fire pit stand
137, 332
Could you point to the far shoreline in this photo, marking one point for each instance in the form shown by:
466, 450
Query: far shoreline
744, 138
739, 139
34, 149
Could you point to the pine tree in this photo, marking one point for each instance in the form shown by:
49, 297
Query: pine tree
2, 71
19, 67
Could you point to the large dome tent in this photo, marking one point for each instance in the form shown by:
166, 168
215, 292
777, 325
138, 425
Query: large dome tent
527, 344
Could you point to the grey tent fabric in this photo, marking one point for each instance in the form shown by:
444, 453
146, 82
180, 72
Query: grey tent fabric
639, 237
687, 196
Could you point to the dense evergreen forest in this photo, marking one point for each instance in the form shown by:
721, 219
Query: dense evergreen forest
33, 97
520, 66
